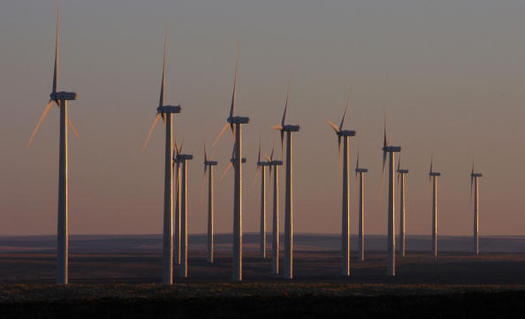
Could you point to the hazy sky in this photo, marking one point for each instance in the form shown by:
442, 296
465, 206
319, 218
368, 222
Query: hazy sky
449, 74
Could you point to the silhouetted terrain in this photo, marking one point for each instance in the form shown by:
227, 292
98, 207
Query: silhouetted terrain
119, 277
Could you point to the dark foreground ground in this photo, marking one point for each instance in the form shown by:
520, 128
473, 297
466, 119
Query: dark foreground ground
117, 282
262, 300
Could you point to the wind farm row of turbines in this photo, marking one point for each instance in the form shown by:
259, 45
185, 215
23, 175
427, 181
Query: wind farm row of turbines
175, 209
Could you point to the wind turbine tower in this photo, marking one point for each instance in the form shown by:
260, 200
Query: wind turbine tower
183, 159
262, 165
474, 185
391, 240
60, 99
274, 170
401, 174
209, 167
235, 123
177, 240
434, 177
165, 112
361, 173
288, 130
344, 135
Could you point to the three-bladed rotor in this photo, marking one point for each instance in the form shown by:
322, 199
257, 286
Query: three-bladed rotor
55, 96
283, 127
162, 109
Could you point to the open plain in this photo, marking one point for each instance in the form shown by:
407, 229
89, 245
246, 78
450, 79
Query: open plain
119, 277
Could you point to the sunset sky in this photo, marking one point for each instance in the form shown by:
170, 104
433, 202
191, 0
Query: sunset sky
448, 74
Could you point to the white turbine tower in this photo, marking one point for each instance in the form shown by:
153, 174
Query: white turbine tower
391, 240
237, 221
401, 174
361, 173
474, 185
262, 165
274, 170
345, 214
182, 159
166, 113
288, 208
209, 167
60, 99
177, 232
235, 123
434, 178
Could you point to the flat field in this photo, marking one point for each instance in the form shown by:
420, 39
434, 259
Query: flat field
120, 278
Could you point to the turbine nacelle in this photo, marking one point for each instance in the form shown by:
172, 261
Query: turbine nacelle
211, 163
168, 109
392, 149
276, 163
290, 128
434, 174
264, 163
238, 120
233, 160
62, 95
361, 170
346, 133
402, 171
476, 175
183, 157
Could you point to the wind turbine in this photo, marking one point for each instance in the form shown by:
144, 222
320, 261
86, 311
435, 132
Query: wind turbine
288, 208
177, 240
401, 174
60, 99
434, 177
209, 166
274, 170
262, 165
474, 185
391, 240
183, 159
235, 123
361, 172
345, 214
165, 112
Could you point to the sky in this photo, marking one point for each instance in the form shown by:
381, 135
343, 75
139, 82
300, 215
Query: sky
448, 75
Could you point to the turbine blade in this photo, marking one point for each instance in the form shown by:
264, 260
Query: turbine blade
56, 68
334, 127
150, 132
226, 170
176, 148
40, 121
72, 127
384, 162
431, 167
181, 146
163, 77
282, 141
234, 91
472, 180
259, 153
339, 145
283, 119
221, 133
385, 141
357, 164
344, 114
471, 185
